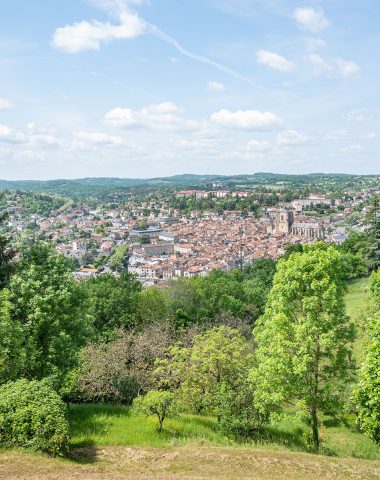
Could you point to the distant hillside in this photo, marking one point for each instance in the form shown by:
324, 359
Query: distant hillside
83, 186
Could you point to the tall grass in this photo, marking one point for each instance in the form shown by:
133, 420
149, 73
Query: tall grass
102, 425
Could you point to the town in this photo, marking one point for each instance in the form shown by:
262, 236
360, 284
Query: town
157, 242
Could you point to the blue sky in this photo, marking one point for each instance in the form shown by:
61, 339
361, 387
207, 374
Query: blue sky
135, 88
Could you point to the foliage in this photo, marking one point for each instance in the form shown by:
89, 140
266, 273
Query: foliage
161, 403
367, 392
118, 370
111, 302
32, 415
7, 254
211, 377
49, 306
11, 339
119, 259
304, 338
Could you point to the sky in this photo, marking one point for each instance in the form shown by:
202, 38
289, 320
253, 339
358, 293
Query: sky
147, 88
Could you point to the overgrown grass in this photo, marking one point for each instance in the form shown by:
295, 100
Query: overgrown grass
357, 300
106, 425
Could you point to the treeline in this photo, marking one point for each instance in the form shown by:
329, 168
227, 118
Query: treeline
241, 345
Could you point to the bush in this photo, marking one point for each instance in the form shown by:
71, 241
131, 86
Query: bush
32, 415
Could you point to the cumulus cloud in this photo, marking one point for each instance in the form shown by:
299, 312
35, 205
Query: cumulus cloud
292, 137
371, 136
358, 116
246, 119
273, 60
5, 104
311, 19
258, 146
9, 135
352, 149
336, 135
217, 86
84, 140
335, 67
313, 43
86, 35
164, 116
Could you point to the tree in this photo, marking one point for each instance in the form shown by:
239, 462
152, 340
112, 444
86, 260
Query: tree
367, 392
119, 259
151, 306
7, 254
216, 364
161, 403
111, 302
373, 218
49, 306
304, 339
12, 355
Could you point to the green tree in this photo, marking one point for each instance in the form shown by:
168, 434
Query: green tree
6, 253
373, 219
161, 403
119, 259
217, 363
49, 306
12, 355
151, 306
304, 338
367, 392
111, 302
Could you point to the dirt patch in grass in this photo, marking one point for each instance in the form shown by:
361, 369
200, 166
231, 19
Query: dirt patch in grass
117, 463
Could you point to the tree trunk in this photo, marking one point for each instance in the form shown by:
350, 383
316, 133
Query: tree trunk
314, 428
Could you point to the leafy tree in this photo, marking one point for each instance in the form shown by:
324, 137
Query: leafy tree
304, 339
367, 392
151, 306
119, 259
111, 302
218, 362
161, 403
373, 217
7, 254
49, 306
11, 339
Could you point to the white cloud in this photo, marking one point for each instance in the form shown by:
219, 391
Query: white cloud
310, 19
164, 116
292, 137
358, 116
312, 43
217, 86
371, 136
246, 119
352, 149
8, 135
5, 104
274, 60
336, 135
336, 67
90, 35
258, 146
84, 140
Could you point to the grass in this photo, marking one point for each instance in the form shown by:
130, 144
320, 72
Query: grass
357, 299
105, 425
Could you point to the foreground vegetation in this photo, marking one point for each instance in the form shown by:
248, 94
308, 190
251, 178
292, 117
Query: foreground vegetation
263, 357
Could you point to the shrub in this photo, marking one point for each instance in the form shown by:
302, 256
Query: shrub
32, 415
